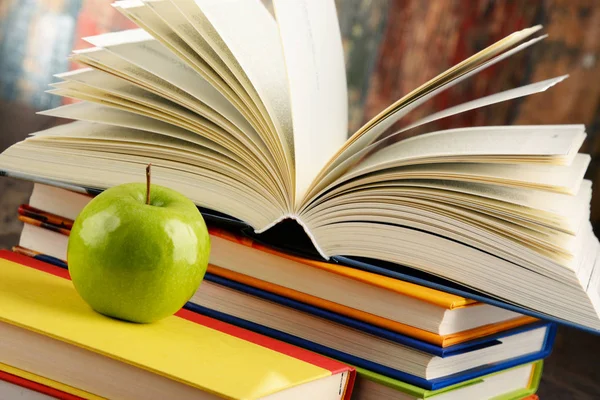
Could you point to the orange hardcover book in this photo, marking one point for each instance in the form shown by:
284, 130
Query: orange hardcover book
228, 247
409, 289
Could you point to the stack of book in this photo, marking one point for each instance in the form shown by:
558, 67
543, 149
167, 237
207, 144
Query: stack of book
402, 338
436, 266
54, 346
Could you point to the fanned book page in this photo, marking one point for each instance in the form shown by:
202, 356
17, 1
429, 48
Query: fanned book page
245, 112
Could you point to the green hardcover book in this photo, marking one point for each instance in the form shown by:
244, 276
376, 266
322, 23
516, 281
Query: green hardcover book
511, 384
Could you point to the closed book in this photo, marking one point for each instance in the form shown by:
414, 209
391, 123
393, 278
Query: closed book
19, 384
515, 383
49, 331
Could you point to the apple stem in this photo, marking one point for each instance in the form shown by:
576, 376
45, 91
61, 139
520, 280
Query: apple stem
148, 183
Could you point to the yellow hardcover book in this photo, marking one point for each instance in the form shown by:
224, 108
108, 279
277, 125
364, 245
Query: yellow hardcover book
207, 356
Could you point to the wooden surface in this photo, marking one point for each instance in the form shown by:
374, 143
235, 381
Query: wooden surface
571, 372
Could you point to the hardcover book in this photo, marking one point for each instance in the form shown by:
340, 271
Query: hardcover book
19, 384
245, 113
517, 383
48, 330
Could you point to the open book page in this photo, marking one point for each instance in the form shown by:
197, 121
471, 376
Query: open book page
455, 72
101, 114
546, 143
312, 48
373, 130
149, 54
97, 81
154, 24
245, 36
166, 23
337, 173
191, 26
189, 122
131, 141
447, 215
200, 126
113, 110
556, 210
592, 261
93, 156
515, 144
492, 99
133, 96
558, 178
518, 144
91, 112
506, 211
106, 61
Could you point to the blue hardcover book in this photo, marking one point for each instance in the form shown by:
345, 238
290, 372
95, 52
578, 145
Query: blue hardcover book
472, 345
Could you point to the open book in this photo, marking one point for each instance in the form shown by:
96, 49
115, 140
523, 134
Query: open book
246, 114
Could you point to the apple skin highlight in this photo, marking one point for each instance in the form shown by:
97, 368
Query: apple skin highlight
134, 261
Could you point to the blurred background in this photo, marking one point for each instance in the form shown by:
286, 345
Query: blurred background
391, 47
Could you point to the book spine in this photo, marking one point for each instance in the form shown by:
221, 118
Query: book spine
296, 218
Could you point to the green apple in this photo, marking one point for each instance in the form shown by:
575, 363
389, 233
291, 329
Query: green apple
135, 261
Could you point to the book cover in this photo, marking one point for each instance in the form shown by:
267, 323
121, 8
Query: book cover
36, 295
478, 342
432, 384
371, 319
412, 390
423, 293
42, 385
